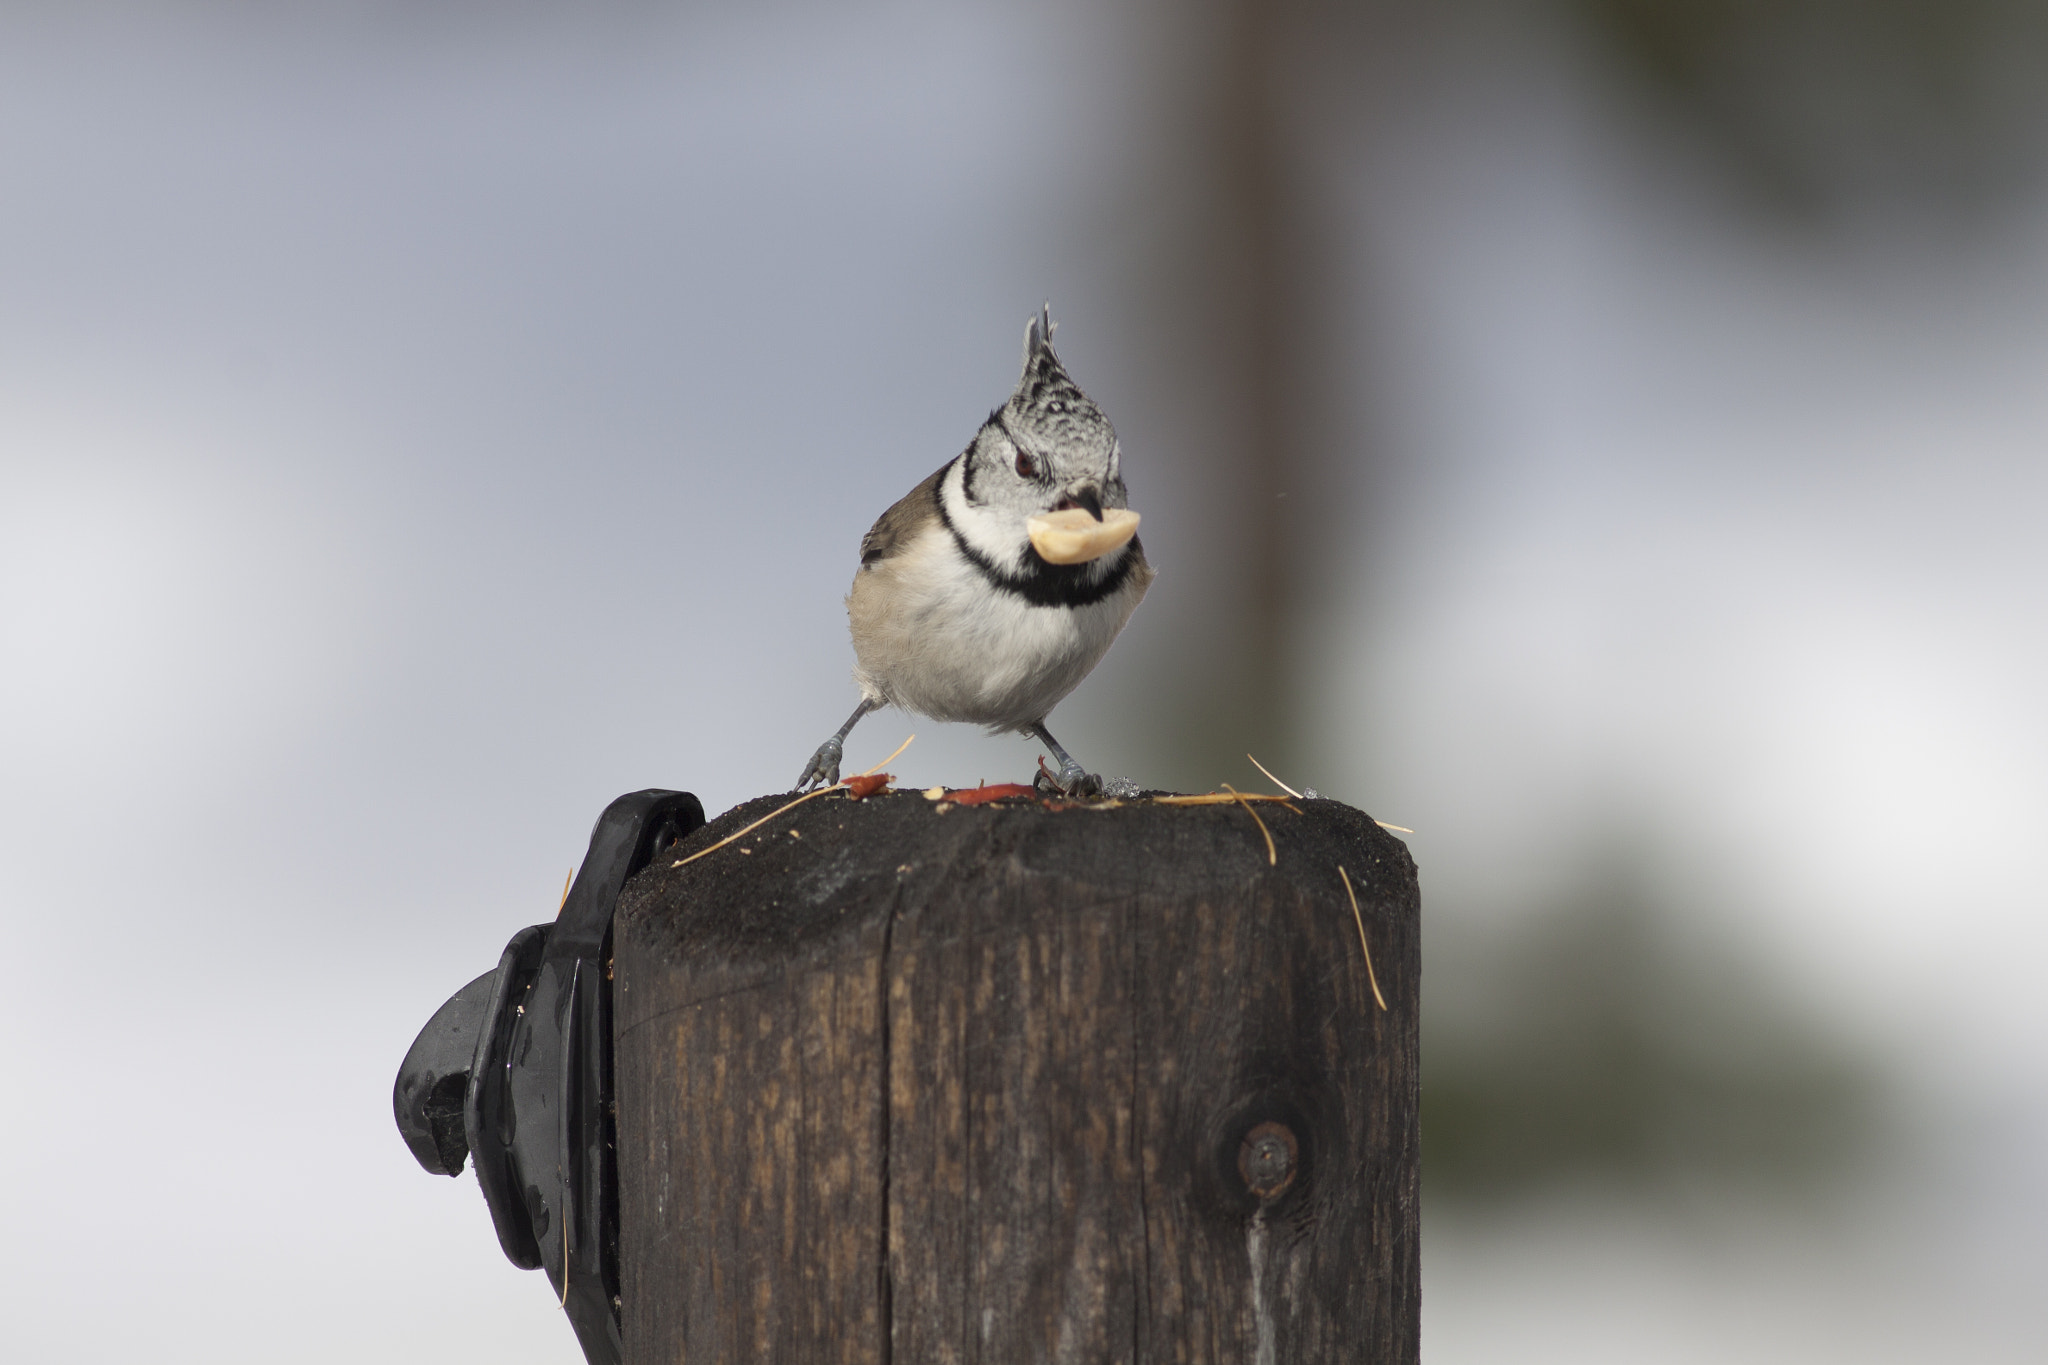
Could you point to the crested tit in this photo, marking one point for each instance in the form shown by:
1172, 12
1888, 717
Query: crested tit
990, 590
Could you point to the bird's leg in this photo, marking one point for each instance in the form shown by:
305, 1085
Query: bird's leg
1073, 779
823, 769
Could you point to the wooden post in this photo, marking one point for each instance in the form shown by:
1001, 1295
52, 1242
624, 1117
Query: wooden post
908, 1083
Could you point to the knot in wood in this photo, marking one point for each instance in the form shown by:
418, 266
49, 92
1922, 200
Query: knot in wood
1268, 1159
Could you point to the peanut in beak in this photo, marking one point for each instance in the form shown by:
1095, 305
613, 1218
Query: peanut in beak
1075, 536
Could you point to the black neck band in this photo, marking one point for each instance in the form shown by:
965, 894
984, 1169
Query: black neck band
1042, 584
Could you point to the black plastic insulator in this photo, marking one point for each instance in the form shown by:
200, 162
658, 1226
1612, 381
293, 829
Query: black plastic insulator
516, 1071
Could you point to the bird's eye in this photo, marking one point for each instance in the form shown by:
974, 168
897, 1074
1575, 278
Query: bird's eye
1027, 467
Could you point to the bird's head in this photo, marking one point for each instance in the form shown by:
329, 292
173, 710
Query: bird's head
1048, 449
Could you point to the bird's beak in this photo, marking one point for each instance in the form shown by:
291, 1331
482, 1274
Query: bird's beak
1088, 499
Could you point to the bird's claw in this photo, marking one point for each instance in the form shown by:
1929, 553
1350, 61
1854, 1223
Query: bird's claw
823, 769
1072, 780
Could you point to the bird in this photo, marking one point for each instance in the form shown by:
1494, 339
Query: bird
989, 591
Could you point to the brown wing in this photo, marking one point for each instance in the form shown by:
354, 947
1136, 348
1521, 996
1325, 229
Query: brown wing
896, 528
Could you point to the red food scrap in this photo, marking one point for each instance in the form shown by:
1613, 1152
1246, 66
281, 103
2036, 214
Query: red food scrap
975, 796
868, 784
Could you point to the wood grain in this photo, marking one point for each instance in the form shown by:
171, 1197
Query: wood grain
977, 1086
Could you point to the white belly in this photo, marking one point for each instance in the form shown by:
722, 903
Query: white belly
933, 636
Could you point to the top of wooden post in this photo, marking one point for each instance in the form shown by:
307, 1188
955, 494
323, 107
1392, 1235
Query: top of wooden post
900, 1080
794, 877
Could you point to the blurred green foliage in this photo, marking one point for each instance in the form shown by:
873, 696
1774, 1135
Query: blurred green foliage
1825, 105
1588, 1046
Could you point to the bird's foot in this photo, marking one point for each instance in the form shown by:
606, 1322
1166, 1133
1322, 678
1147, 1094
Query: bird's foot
823, 769
1072, 781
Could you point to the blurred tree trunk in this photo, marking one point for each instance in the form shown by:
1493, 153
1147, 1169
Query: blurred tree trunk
1264, 278
1229, 279
1243, 267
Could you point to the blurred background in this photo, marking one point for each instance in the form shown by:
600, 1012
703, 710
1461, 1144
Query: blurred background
1603, 435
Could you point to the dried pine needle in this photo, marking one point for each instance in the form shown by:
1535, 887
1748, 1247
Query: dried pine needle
792, 805
741, 834
890, 759
1222, 798
1364, 947
1276, 781
565, 890
1272, 853
1398, 829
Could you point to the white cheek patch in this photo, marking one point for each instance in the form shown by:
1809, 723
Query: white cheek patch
1075, 537
991, 533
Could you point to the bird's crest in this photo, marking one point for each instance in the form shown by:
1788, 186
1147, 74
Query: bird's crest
1044, 379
